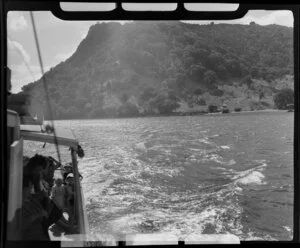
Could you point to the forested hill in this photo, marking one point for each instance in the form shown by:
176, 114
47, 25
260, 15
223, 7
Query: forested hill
143, 68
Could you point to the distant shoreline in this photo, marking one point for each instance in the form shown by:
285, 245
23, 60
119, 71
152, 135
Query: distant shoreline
253, 111
183, 114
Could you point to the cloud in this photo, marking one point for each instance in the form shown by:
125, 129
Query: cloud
14, 46
282, 17
261, 17
16, 21
265, 17
63, 56
83, 33
20, 75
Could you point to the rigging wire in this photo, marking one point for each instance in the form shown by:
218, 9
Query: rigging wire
45, 85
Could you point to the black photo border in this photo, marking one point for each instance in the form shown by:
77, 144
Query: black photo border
119, 14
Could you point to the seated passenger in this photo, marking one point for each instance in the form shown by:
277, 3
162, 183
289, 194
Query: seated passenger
33, 212
42, 170
39, 212
68, 168
25, 160
37, 167
48, 176
70, 193
59, 193
70, 188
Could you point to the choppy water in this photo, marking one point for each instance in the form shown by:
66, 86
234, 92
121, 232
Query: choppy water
188, 175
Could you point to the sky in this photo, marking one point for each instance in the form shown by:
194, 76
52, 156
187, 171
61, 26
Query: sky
59, 39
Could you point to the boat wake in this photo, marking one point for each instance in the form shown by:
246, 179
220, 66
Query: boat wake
181, 182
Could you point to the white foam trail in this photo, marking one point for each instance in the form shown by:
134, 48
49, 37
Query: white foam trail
225, 147
205, 141
251, 236
251, 176
141, 146
254, 177
196, 223
212, 239
238, 190
287, 228
204, 131
218, 159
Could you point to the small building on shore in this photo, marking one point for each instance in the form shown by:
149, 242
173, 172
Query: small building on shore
290, 107
225, 109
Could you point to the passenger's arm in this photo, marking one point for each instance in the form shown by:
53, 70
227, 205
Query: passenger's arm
27, 222
52, 192
70, 192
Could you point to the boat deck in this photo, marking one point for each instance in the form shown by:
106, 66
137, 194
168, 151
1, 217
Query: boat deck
56, 233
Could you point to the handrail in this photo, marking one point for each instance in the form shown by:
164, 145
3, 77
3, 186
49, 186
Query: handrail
13, 120
78, 200
48, 138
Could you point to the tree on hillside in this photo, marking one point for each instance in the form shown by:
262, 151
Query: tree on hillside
198, 92
210, 78
233, 66
214, 60
222, 72
201, 102
254, 72
124, 98
283, 98
128, 109
217, 92
261, 94
165, 103
212, 108
248, 81
196, 71
147, 94
72, 113
189, 61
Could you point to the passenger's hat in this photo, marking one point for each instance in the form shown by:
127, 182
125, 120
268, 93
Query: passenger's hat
68, 164
70, 175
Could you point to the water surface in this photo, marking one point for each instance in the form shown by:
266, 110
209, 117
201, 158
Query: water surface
188, 174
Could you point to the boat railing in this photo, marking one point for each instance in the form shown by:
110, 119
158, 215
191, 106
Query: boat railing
80, 215
17, 134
